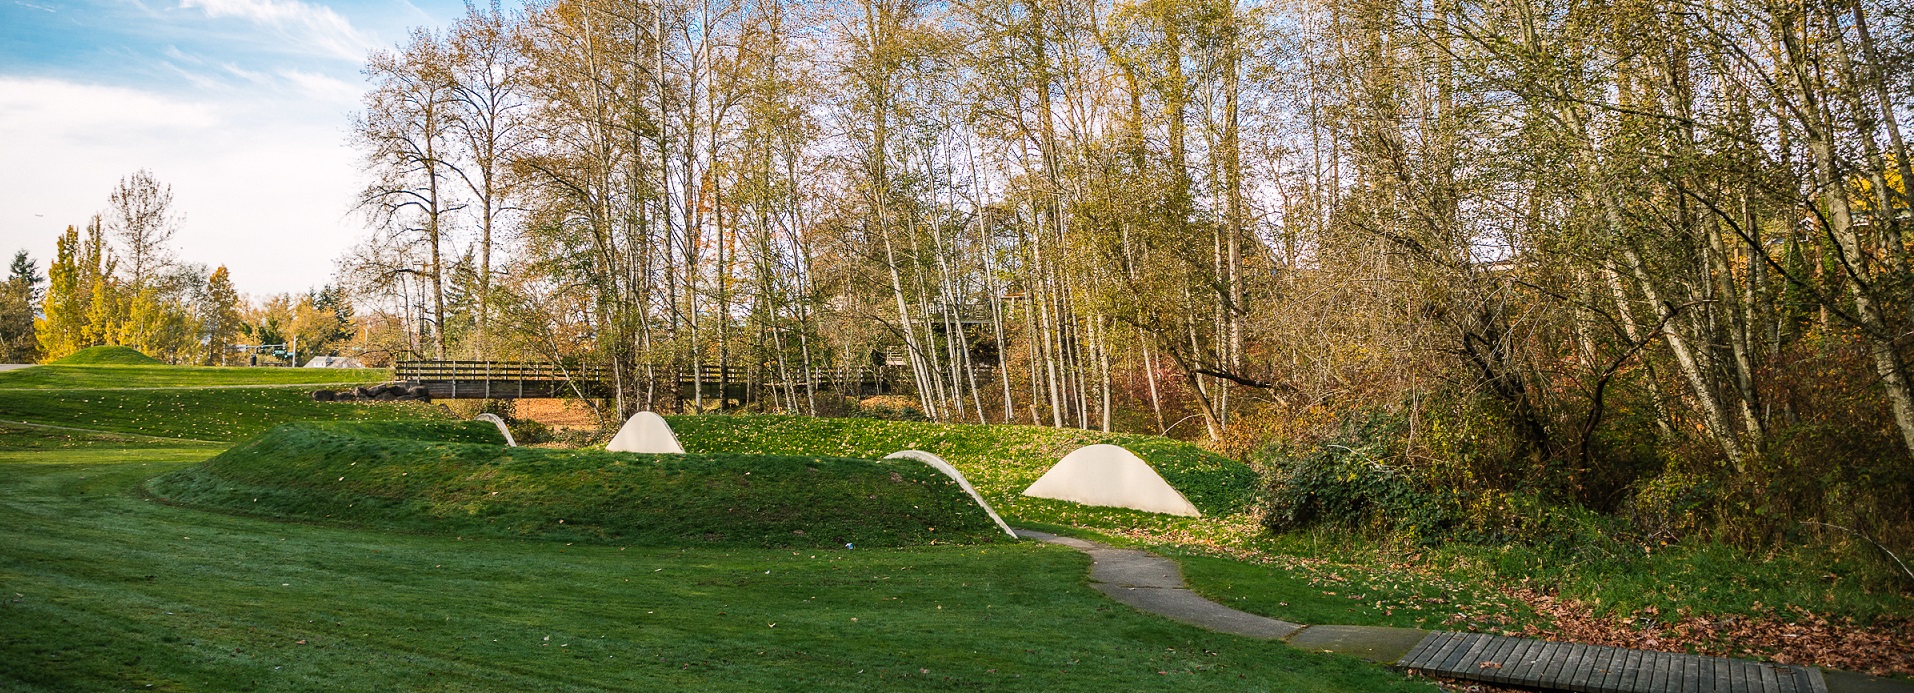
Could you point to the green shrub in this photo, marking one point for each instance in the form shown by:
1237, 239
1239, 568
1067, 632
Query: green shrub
528, 431
396, 476
1353, 481
890, 408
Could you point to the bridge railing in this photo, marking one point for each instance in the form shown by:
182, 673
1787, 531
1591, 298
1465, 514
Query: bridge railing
456, 378
432, 371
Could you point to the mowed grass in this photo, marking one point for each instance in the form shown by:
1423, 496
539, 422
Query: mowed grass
102, 588
21, 439
65, 376
211, 414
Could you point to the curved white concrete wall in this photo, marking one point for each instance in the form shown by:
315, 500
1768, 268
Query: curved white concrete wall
1111, 476
500, 423
939, 464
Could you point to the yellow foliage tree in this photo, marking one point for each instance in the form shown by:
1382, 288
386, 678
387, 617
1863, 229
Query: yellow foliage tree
219, 317
61, 328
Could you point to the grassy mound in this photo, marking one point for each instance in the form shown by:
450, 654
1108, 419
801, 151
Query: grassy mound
1000, 460
108, 355
456, 478
64, 376
197, 413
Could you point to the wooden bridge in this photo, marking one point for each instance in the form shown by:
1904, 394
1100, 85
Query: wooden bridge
521, 379
502, 379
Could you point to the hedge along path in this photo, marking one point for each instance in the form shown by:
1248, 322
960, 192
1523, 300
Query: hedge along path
1154, 584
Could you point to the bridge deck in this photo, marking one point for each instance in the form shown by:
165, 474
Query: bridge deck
1558, 666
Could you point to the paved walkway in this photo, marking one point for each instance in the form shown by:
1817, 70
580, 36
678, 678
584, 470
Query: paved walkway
4, 367
1155, 584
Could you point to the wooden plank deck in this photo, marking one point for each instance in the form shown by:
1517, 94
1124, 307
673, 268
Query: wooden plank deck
1558, 666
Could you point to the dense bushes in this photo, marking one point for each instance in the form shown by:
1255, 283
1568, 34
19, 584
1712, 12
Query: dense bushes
1455, 482
1354, 480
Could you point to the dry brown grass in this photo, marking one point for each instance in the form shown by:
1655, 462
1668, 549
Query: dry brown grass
560, 414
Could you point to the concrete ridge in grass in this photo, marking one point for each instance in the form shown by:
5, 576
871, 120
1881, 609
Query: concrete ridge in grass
1154, 584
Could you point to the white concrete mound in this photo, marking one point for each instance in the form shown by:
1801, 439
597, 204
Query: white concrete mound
939, 464
645, 432
1112, 476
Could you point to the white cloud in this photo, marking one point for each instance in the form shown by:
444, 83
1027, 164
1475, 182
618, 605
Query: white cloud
46, 108
324, 87
315, 25
265, 184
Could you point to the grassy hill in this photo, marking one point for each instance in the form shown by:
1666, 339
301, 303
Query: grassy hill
107, 591
113, 355
201, 414
459, 478
999, 460
69, 376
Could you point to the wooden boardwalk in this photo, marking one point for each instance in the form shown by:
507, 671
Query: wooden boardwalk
1558, 666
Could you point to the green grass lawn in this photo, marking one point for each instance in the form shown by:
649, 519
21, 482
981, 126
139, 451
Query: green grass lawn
64, 376
103, 588
203, 413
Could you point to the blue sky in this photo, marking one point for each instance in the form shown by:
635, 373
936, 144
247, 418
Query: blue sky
242, 105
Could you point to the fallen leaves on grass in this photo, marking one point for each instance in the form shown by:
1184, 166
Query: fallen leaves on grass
1791, 636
